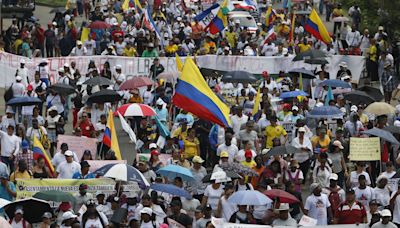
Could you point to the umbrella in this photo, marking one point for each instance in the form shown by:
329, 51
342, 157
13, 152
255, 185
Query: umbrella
238, 168
335, 83
98, 81
24, 101
214, 176
206, 72
317, 61
58, 10
284, 197
341, 19
4, 223
62, 88
136, 109
102, 170
171, 76
249, 197
312, 54
380, 108
281, 150
56, 196
325, 112
239, 76
397, 175
385, 135
304, 73
359, 97
103, 96
373, 92
171, 189
172, 171
292, 94
392, 129
99, 25
4, 202
136, 83
124, 172
33, 209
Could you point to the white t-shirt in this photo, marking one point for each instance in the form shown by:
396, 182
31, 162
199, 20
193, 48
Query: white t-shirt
354, 178
66, 170
240, 155
59, 158
213, 195
18, 89
56, 101
396, 209
227, 209
90, 47
382, 195
237, 122
317, 208
232, 151
364, 196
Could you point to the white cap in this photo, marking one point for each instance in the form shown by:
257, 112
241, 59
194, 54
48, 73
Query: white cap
68, 153
166, 35
178, 18
19, 211
22, 61
353, 108
343, 64
346, 77
66, 65
237, 21
68, 215
380, 28
61, 70
118, 67
338, 144
9, 110
160, 102
146, 210
78, 42
100, 193
54, 23
333, 176
343, 109
265, 151
386, 213
67, 17
18, 78
319, 104
295, 108
302, 129
283, 207
52, 108
396, 123
153, 145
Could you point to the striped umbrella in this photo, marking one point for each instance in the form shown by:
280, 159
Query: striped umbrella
136, 109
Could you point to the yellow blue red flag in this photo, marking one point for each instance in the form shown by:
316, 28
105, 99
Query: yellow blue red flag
194, 95
39, 151
110, 136
316, 27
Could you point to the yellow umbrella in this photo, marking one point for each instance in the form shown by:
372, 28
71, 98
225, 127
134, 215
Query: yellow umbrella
380, 108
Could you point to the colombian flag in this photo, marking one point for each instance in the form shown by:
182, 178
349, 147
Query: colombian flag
315, 26
270, 16
39, 151
193, 95
220, 21
110, 136
179, 64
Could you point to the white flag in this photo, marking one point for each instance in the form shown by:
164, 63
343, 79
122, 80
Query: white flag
127, 128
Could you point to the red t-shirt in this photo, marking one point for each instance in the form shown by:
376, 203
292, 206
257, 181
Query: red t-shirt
86, 128
353, 215
40, 35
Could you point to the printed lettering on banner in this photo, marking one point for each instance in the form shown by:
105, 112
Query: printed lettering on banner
365, 149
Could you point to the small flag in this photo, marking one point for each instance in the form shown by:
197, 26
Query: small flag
329, 96
127, 128
316, 27
257, 102
110, 136
179, 64
39, 151
85, 34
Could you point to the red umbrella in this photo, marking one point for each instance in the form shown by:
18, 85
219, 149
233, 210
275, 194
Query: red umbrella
136, 83
136, 109
99, 25
284, 197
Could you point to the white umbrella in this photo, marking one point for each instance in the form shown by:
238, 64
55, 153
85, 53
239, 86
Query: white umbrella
341, 19
4, 202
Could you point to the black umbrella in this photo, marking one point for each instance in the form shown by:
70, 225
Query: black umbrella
239, 76
232, 175
392, 129
281, 150
24, 101
33, 209
312, 54
58, 10
206, 72
98, 81
359, 97
304, 73
62, 88
316, 61
373, 92
103, 96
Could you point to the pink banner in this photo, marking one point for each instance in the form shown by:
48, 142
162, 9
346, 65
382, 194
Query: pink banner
78, 144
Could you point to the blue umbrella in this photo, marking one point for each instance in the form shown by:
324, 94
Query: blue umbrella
123, 172
335, 83
171, 189
24, 101
172, 171
292, 94
325, 112
385, 135
249, 197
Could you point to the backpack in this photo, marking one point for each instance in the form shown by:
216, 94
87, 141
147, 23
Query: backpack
9, 94
334, 199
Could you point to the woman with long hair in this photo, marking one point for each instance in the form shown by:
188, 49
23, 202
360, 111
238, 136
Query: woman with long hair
154, 161
40, 170
92, 217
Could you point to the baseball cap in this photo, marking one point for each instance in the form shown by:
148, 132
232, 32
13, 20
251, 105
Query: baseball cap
18, 78
29, 87
350, 191
154, 153
333, 176
295, 108
248, 154
146, 210
338, 144
386, 213
100, 193
85, 164
152, 146
313, 186
224, 154
47, 215
68, 215
19, 211
353, 108
83, 186
197, 159
69, 153
374, 202
3, 175
380, 28
24, 144
302, 129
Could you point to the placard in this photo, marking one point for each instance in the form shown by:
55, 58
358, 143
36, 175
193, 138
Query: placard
365, 149
78, 144
307, 221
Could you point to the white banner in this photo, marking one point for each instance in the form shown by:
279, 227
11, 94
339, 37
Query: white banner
140, 66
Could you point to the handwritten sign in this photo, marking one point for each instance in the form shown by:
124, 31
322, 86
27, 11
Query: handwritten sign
78, 144
307, 221
96, 164
365, 149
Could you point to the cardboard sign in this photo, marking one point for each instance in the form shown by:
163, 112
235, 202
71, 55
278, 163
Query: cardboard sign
78, 144
365, 149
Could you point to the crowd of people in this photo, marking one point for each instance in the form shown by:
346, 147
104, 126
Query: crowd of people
329, 187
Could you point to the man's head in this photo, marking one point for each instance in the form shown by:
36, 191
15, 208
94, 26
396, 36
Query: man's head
19, 213
350, 195
283, 211
228, 138
249, 125
25, 146
381, 182
83, 189
146, 214
10, 129
386, 215
69, 156
22, 166
176, 205
362, 180
85, 167
64, 147
315, 188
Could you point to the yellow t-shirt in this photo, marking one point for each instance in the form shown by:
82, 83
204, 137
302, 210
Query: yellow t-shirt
322, 143
191, 148
18, 175
17, 43
274, 132
231, 37
208, 45
171, 48
250, 164
372, 53
179, 134
304, 47
130, 52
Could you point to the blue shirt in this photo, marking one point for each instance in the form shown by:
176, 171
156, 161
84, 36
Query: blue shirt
78, 175
4, 194
162, 114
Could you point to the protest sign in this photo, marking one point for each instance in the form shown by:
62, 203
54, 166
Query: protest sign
307, 221
174, 224
78, 144
163, 157
365, 149
96, 164
28, 187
